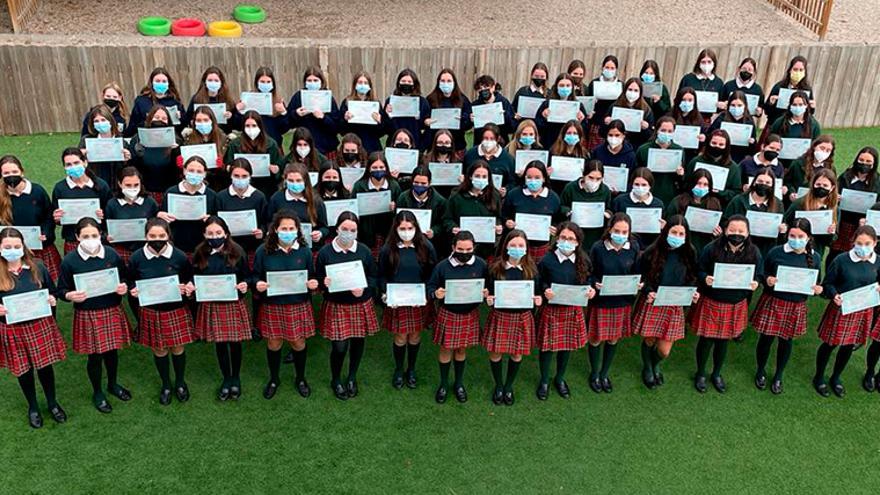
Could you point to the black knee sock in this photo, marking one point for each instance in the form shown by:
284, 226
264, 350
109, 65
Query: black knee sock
458, 366
337, 356
412, 352
843, 355
512, 370
822, 357
444, 375
496, 373
179, 363
719, 355
47, 380
111, 362
704, 345
354, 358
873, 357
299, 364
656, 358
783, 353
607, 358
235, 350
163, 367
273, 358
762, 353
544, 360
647, 363
562, 358
399, 353
93, 369
222, 349
594, 352
29, 389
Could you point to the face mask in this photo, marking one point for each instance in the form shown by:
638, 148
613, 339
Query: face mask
406, 235
442, 149
820, 155
619, 239
75, 171
446, 87
527, 140
463, 257
664, 137
641, 191
592, 185
287, 237
377, 174
539, 83
158, 123
707, 67
252, 132
479, 183
797, 76
12, 254
798, 110
699, 192
714, 152
485, 94
632, 96
609, 73
797, 244
241, 183
577, 80
13, 180
744, 76
534, 185
194, 178
347, 236
157, 245
674, 241
102, 127
90, 245
313, 85
516, 252
350, 157
362, 89
419, 190
571, 139
213, 86
401, 145
303, 151
648, 78
296, 187
820, 192
204, 128
160, 88
564, 91
488, 144
861, 168
736, 112
685, 106
265, 87
111, 103
331, 185
770, 155
615, 141
131, 193
566, 247
762, 190
405, 88
736, 239
216, 243
861, 251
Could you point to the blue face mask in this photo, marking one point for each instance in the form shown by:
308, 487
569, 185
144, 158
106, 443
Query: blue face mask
686, 106
699, 192
419, 190
204, 128
377, 174
619, 239
609, 73
798, 244
296, 187
566, 247
160, 88
194, 178
527, 140
564, 91
479, 183
313, 85
674, 242
265, 87
648, 78
798, 110
102, 127
534, 185
287, 237
664, 137
640, 191
446, 87
571, 139
12, 254
75, 171
516, 252
362, 89
736, 112
347, 237
863, 251
241, 183
213, 86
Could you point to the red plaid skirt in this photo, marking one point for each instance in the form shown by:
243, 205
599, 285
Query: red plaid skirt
344, 321
609, 324
594, 138
31, 345
96, 331
157, 196
456, 331
51, 260
659, 322
406, 320
538, 252
718, 320
509, 332
286, 321
223, 321
561, 328
839, 329
778, 318
845, 233
165, 329
124, 253
70, 246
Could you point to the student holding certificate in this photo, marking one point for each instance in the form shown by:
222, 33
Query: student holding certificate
159, 90
685, 113
100, 327
534, 198
746, 80
659, 103
640, 183
447, 94
168, 326
330, 186
407, 257
767, 157
158, 166
188, 233
424, 197
287, 315
456, 326
475, 197
615, 150
213, 90
588, 189
666, 182
703, 78
440, 151
563, 89
31, 345
670, 261
758, 198
722, 314
823, 196
631, 99
858, 267
276, 124
783, 314
797, 122
374, 228
737, 112
79, 183
408, 86
206, 131
510, 331
795, 79
562, 328
363, 93
610, 317
255, 140
492, 151
399, 139
537, 88
569, 144
716, 153
800, 172
322, 125
241, 196
347, 317
489, 92
298, 196
112, 97
861, 176
607, 77
102, 125
130, 202
698, 195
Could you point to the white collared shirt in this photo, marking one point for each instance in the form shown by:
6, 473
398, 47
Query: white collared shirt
381, 187
340, 249
124, 201
496, 154
609, 245
73, 185
247, 192
748, 85
648, 199
535, 89
787, 249
562, 257
182, 188
290, 197
28, 187
165, 253
508, 265
752, 201
85, 256
702, 76
543, 194
856, 259
772, 163
454, 262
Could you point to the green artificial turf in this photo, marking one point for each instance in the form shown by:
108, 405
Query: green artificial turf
670, 440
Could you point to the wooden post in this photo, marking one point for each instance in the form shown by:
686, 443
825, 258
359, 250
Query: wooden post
826, 19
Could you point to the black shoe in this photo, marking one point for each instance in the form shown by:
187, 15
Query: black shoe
440, 395
868, 383
58, 414
339, 391
606, 385
508, 398
352, 388
397, 380
838, 390
700, 384
101, 404
821, 388
182, 393
498, 396
288, 358
411, 381
776, 387
648, 379
269, 390
165, 396
543, 391
302, 386
596, 385
761, 381
460, 394
120, 392
718, 383
235, 390
877, 382
224, 392
563, 390
35, 419
658, 378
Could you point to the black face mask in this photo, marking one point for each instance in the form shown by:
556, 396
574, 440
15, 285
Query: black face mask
576, 80
539, 83
157, 245
861, 168
485, 94
405, 88
13, 180
745, 76
820, 192
463, 257
762, 190
443, 150
111, 103
770, 155
401, 146
159, 123
331, 185
349, 157
714, 152
736, 239
217, 242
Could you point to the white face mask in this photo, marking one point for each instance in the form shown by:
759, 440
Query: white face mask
632, 96
253, 132
406, 235
488, 144
131, 193
615, 141
707, 67
303, 151
90, 245
820, 155
592, 185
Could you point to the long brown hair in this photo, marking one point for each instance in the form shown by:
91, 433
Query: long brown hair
420, 243
809, 160
104, 111
529, 268
560, 147
223, 95
257, 145
217, 136
640, 104
5, 199
271, 242
308, 193
172, 88
436, 96
123, 107
812, 203
488, 195
231, 250
7, 283
581, 258
311, 160
371, 94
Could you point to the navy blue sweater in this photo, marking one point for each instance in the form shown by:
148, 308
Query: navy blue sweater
31, 210
323, 130
280, 261
141, 268
328, 256
445, 271
61, 190
612, 262
23, 282
74, 264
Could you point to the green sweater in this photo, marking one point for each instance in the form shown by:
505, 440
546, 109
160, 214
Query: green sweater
822, 239
467, 205
734, 177
739, 205
372, 226
573, 192
666, 185
434, 202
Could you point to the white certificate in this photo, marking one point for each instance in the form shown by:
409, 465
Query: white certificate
219, 110
588, 103
346, 276
664, 161
319, 100
258, 102
645, 220
670, 295
335, 207
527, 106
794, 148
569, 295
207, 152
362, 112
97, 283
566, 168
785, 97
514, 294
740, 134
306, 229
404, 106
795, 280
285, 283
616, 178
243, 222
31, 236
853, 301
402, 160
632, 118
446, 118
719, 174
820, 220
707, 101
872, 218
702, 220
764, 224
187, 206
173, 114
620, 285
218, 288
687, 136
649, 90
445, 174
422, 216
490, 113
74, 209
405, 295
857, 201
498, 181
482, 228
104, 149
350, 175
561, 111
158, 290
588, 215
464, 291
126, 230
607, 90
752, 101
733, 276
525, 157
156, 137
27, 306
536, 227
802, 191
374, 203
259, 163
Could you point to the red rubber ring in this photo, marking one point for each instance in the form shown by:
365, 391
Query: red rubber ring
188, 27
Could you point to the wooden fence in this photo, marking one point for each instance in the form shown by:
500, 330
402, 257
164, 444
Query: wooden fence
815, 15
48, 88
21, 11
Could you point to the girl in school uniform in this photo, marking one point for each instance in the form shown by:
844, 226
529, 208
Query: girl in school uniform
570, 143
30, 345
722, 314
440, 151
422, 196
823, 195
650, 74
716, 152
684, 112
188, 233
100, 327
159, 90
206, 131
610, 317
227, 323
666, 184
491, 150
348, 317
285, 317
797, 121
212, 89
488, 92
563, 89
254, 140
447, 94
766, 157
111, 95
407, 257
525, 137
374, 228
323, 126
330, 185
860, 176
408, 85
242, 196
534, 197
297, 196
615, 150
736, 111
800, 172
588, 189
29, 205
303, 150
456, 326
475, 197
352, 153
746, 80
561, 329
783, 315
167, 327
130, 202
510, 331
703, 78
595, 119
362, 89
577, 70
277, 124
537, 88
670, 261
856, 268
101, 125
158, 166
640, 196
759, 197
698, 194
79, 183
796, 79
631, 99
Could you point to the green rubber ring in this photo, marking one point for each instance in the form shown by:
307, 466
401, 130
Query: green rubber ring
250, 14
154, 26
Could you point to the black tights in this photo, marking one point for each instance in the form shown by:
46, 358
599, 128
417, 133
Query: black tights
29, 388
110, 360
783, 353
355, 347
229, 359
823, 355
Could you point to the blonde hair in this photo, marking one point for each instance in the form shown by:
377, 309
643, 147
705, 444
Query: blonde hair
514, 145
123, 108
